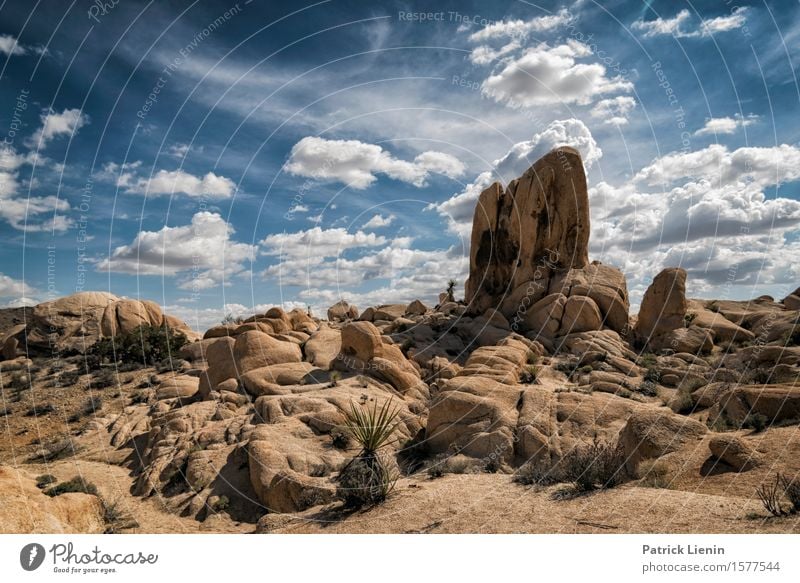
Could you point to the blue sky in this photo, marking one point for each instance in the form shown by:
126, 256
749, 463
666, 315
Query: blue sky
221, 157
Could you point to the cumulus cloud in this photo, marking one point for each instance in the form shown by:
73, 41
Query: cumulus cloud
760, 165
203, 253
356, 163
166, 182
545, 75
709, 215
678, 25
54, 125
726, 125
27, 213
316, 244
15, 291
614, 111
379, 221
458, 210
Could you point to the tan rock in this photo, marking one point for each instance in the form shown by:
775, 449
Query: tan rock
734, 452
539, 222
341, 311
652, 433
323, 346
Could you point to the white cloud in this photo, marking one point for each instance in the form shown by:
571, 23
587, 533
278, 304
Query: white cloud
203, 253
520, 29
459, 209
316, 244
16, 290
356, 163
9, 45
179, 150
166, 182
545, 75
27, 213
677, 25
614, 111
762, 166
726, 125
54, 125
734, 20
327, 276
379, 221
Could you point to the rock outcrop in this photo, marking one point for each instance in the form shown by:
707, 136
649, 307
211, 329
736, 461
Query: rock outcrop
341, 311
74, 323
529, 254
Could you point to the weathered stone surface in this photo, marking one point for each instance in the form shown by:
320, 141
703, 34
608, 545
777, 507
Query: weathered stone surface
416, 308
539, 222
76, 322
652, 433
323, 346
341, 311
663, 308
26, 509
735, 452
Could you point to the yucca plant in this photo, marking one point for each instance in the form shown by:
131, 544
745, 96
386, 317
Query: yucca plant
366, 479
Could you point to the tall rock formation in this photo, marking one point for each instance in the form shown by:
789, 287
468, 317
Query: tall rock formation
529, 254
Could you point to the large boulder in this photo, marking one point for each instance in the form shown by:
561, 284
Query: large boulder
341, 311
74, 323
27, 510
651, 433
529, 254
663, 308
539, 222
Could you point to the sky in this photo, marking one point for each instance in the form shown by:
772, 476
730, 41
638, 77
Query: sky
222, 157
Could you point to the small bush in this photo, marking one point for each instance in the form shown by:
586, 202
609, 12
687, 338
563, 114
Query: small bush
682, 402
600, 465
532, 357
335, 376
220, 504
688, 319
92, 405
648, 360
41, 410
529, 374
147, 345
76, 484
755, 421
340, 439
771, 495
367, 479
45, 480
648, 389
536, 474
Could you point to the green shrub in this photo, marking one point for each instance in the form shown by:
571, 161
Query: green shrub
537, 474
221, 503
367, 479
146, 345
648, 360
529, 374
76, 484
755, 421
599, 465
45, 480
340, 439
